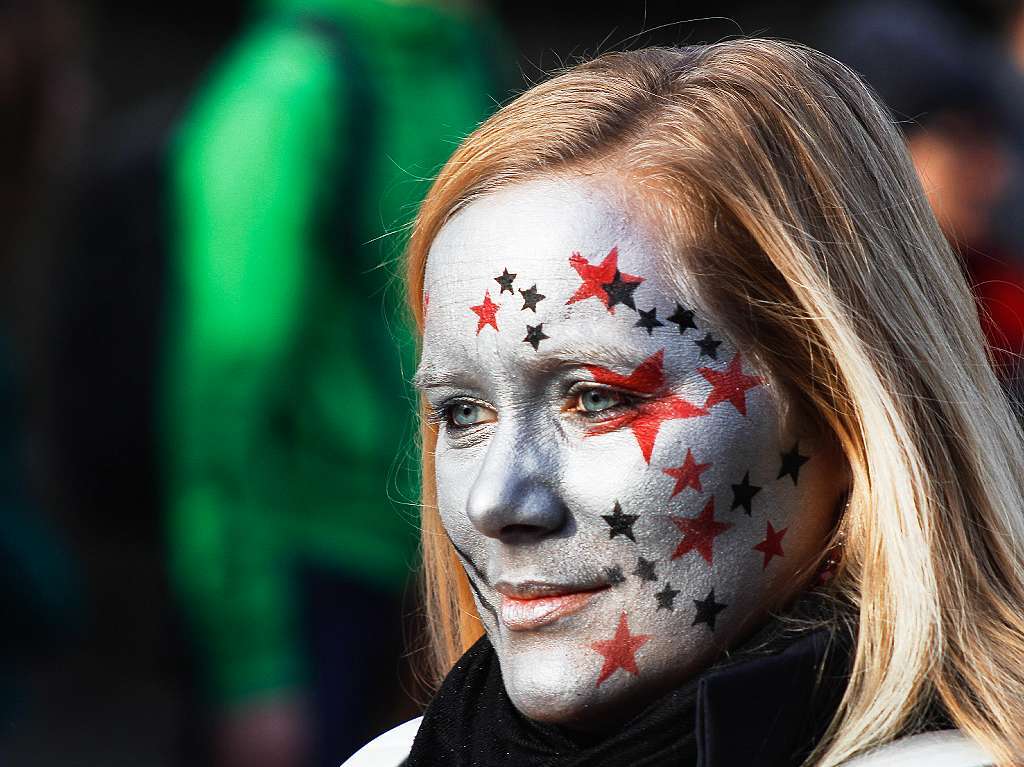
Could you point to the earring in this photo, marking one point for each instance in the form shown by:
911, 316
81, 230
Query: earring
830, 565
834, 556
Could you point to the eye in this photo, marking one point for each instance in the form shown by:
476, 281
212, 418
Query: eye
464, 414
599, 400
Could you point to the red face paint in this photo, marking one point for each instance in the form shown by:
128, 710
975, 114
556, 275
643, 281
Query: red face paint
487, 313
596, 276
619, 651
771, 546
687, 475
699, 533
644, 418
730, 385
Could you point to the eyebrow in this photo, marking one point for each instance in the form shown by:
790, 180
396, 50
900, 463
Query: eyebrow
432, 373
429, 375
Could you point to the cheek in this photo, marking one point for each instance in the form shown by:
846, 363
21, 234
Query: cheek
454, 471
708, 513
693, 461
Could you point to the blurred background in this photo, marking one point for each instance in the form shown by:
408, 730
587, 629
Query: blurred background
207, 470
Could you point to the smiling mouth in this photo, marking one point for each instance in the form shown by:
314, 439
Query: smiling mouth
531, 607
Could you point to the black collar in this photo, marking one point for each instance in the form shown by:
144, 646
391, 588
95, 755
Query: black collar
769, 708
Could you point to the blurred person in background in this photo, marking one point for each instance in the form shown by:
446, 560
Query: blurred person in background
291, 516
40, 595
1015, 33
1004, 40
948, 95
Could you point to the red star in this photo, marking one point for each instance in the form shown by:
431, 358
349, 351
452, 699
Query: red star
687, 475
646, 379
699, 532
595, 277
730, 385
487, 313
772, 544
645, 417
619, 651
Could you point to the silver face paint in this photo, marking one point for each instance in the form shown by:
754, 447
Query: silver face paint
595, 462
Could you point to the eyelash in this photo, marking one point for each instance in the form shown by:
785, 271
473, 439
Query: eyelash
443, 413
627, 401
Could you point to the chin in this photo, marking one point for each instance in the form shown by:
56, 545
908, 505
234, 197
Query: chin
559, 688
550, 706
549, 686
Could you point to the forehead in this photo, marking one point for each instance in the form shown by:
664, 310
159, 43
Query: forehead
534, 225
521, 275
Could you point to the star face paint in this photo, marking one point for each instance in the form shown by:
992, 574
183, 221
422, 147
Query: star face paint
610, 466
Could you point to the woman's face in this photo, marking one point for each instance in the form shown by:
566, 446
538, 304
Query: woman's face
613, 470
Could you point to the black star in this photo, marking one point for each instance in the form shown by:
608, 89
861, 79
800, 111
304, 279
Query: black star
620, 524
683, 318
645, 570
649, 320
614, 575
666, 597
708, 346
707, 610
619, 291
505, 280
743, 494
531, 298
791, 463
534, 335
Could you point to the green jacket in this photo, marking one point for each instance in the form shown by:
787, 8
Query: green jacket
287, 417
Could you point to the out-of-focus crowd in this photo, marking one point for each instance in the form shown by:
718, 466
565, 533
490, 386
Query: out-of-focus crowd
208, 479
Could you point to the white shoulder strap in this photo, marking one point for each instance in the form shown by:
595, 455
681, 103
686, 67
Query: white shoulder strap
390, 749
946, 748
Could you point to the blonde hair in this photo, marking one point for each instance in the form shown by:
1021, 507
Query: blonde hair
780, 180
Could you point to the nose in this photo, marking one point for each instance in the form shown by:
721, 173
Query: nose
513, 497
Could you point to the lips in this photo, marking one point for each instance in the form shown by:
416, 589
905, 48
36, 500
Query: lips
532, 605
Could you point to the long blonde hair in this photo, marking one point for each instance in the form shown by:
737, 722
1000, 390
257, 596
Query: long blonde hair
780, 180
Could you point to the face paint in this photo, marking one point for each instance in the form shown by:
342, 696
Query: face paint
612, 469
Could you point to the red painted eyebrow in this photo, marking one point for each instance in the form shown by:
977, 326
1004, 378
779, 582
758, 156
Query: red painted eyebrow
647, 378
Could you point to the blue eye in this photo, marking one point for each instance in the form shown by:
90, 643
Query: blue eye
599, 400
462, 415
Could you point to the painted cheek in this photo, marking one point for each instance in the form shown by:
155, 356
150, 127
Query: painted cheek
700, 549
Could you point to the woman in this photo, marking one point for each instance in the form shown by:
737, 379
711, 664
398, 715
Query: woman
713, 451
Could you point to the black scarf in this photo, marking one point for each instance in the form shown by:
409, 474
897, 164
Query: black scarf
765, 704
472, 723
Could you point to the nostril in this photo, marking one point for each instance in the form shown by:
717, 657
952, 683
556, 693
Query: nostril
523, 533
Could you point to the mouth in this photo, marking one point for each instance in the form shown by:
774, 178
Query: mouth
531, 605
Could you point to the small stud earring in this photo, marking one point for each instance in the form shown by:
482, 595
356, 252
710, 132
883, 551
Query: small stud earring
830, 565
